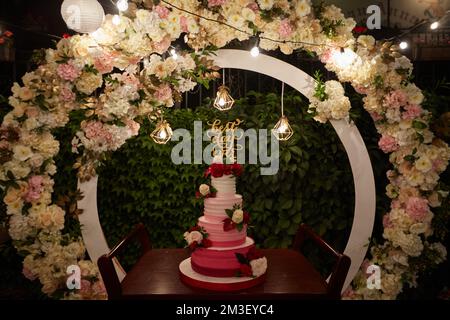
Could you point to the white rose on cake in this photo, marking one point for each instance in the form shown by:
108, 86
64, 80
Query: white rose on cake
238, 216
259, 266
204, 189
196, 237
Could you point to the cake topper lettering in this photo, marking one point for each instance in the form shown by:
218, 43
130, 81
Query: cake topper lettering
224, 137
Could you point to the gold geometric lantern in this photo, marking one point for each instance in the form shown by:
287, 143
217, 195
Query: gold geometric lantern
282, 129
224, 101
162, 133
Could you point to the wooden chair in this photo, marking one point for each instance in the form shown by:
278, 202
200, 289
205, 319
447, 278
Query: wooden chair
106, 261
341, 265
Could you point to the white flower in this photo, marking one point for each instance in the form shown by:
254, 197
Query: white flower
236, 20
22, 153
89, 82
367, 41
238, 216
259, 266
248, 14
187, 237
418, 228
303, 8
19, 228
441, 250
196, 236
265, 4
423, 164
204, 189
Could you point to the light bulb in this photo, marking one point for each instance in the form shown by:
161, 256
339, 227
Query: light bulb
116, 20
254, 52
434, 25
221, 102
163, 134
174, 54
344, 58
403, 45
282, 130
122, 5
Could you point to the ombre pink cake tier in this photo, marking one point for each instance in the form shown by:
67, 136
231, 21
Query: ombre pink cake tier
215, 207
218, 261
220, 238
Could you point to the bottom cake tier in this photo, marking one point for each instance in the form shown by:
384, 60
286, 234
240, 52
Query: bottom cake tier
218, 261
223, 284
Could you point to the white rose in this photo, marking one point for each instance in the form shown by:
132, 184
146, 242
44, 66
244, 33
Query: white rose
22, 153
303, 8
265, 4
204, 189
196, 237
259, 266
418, 228
367, 41
238, 216
187, 237
89, 82
248, 14
424, 164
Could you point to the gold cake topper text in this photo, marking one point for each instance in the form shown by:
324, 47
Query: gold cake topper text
224, 136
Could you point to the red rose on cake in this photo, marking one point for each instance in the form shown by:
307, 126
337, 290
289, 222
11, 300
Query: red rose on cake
218, 170
253, 264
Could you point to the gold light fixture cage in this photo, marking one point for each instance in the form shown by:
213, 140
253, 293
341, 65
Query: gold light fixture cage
162, 133
224, 101
282, 130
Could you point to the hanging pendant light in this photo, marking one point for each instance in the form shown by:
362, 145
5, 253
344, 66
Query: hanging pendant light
83, 16
282, 129
162, 133
224, 101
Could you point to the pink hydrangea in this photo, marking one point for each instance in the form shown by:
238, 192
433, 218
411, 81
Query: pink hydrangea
388, 144
85, 288
387, 223
98, 288
35, 188
215, 3
163, 93
68, 72
285, 29
438, 165
412, 111
326, 56
67, 95
162, 12
133, 126
417, 208
96, 131
376, 116
396, 99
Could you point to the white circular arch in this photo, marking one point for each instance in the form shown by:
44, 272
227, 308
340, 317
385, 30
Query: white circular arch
365, 196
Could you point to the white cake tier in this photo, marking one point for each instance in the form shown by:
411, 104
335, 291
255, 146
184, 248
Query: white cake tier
224, 185
215, 207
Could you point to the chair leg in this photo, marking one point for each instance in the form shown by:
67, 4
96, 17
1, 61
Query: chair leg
110, 278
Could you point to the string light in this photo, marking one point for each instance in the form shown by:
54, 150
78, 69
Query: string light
282, 129
403, 45
122, 5
254, 52
174, 53
224, 101
343, 58
434, 25
162, 133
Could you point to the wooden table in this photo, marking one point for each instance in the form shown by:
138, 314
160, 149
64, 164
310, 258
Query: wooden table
289, 276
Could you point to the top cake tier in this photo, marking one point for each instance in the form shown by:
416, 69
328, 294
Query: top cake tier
225, 185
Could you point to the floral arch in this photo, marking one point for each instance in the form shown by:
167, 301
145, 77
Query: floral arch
121, 74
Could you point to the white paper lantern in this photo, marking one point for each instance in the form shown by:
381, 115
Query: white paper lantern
83, 16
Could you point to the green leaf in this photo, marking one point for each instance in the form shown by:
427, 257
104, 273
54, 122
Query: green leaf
241, 258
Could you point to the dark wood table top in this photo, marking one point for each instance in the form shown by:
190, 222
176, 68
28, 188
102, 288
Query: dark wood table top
289, 275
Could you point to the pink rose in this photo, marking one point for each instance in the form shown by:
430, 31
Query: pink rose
396, 99
28, 274
388, 144
35, 188
162, 12
327, 56
163, 93
387, 221
411, 112
68, 72
285, 29
104, 63
417, 208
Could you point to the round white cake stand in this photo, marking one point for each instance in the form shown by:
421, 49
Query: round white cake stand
191, 278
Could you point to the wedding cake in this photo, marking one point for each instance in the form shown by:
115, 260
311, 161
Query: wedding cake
223, 257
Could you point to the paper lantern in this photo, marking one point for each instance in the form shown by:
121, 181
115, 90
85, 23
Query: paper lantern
83, 16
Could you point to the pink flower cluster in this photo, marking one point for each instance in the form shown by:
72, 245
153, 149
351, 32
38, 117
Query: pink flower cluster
133, 126
285, 29
184, 24
388, 144
412, 111
68, 72
35, 188
162, 12
67, 95
96, 131
163, 93
417, 208
396, 99
215, 3
163, 45
104, 63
